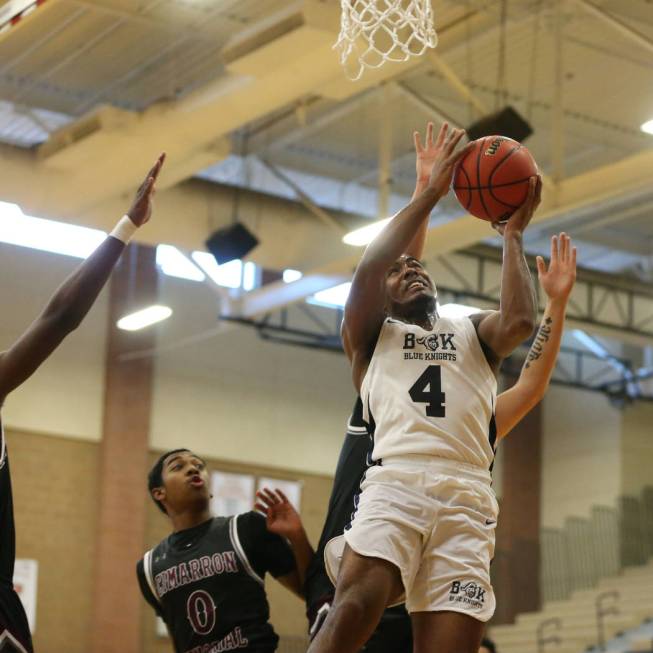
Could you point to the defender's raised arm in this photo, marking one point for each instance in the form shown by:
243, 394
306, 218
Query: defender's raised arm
73, 300
557, 281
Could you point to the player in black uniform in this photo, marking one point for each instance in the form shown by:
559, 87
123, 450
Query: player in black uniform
205, 580
63, 314
393, 634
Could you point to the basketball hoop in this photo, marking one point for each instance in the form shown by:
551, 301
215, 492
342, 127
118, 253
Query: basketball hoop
375, 31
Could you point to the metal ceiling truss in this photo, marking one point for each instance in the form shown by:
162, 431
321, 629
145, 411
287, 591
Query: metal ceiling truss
619, 307
575, 367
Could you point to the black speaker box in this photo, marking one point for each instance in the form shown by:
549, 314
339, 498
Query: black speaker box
232, 242
506, 122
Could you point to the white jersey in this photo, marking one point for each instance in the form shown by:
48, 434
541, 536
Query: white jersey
431, 393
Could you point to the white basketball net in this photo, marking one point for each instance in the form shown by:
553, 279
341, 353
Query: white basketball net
375, 31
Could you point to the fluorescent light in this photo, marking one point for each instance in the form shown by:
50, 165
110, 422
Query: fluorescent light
291, 275
175, 264
365, 235
16, 228
228, 275
332, 297
249, 276
647, 127
144, 318
457, 310
590, 343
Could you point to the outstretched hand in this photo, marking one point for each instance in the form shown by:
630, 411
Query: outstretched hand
440, 156
425, 154
281, 517
141, 209
558, 279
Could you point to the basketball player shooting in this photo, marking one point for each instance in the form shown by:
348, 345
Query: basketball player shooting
63, 314
393, 633
425, 520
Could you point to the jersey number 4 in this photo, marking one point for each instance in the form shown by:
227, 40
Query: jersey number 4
433, 397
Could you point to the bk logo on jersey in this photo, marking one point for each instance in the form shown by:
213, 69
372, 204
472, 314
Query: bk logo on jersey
432, 342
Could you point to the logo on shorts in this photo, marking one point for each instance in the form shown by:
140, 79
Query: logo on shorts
469, 593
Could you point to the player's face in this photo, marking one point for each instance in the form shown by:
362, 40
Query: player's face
408, 285
185, 481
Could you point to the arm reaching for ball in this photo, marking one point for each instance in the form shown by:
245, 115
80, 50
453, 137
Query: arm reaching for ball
425, 157
282, 519
500, 332
557, 281
73, 300
364, 310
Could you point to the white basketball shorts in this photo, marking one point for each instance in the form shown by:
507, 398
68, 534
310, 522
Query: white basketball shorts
435, 520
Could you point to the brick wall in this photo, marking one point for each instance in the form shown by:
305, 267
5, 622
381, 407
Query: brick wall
55, 498
56, 495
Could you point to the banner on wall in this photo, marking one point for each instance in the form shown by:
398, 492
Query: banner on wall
232, 493
26, 573
292, 489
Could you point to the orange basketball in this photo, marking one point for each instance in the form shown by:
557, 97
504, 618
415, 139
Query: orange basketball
491, 181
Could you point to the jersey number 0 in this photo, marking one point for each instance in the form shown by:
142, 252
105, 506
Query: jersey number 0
434, 398
200, 610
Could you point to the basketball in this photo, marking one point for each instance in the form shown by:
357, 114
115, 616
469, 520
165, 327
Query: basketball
491, 181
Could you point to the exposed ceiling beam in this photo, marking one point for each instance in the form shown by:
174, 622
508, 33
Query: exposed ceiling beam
450, 36
576, 195
620, 26
104, 152
612, 217
456, 82
186, 213
316, 210
619, 241
141, 16
426, 105
557, 122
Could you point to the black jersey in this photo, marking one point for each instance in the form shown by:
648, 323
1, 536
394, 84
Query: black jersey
354, 459
352, 463
14, 629
206, 583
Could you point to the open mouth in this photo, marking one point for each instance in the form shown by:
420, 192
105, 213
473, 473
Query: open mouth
417, 283
196, 481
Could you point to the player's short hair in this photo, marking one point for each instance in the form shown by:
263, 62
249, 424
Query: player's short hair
155, 477
489, 645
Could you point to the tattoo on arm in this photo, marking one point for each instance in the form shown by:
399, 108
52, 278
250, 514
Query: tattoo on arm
541, 339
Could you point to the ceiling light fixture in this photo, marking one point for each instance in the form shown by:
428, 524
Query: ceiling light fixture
365, 235
647, 127
144, 318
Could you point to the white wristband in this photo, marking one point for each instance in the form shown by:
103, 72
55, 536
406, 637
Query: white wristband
124, 230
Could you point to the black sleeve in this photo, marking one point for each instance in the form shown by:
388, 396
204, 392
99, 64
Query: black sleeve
145, 589
7, 527
265, 551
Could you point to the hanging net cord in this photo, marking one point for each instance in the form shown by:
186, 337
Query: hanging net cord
375, 31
